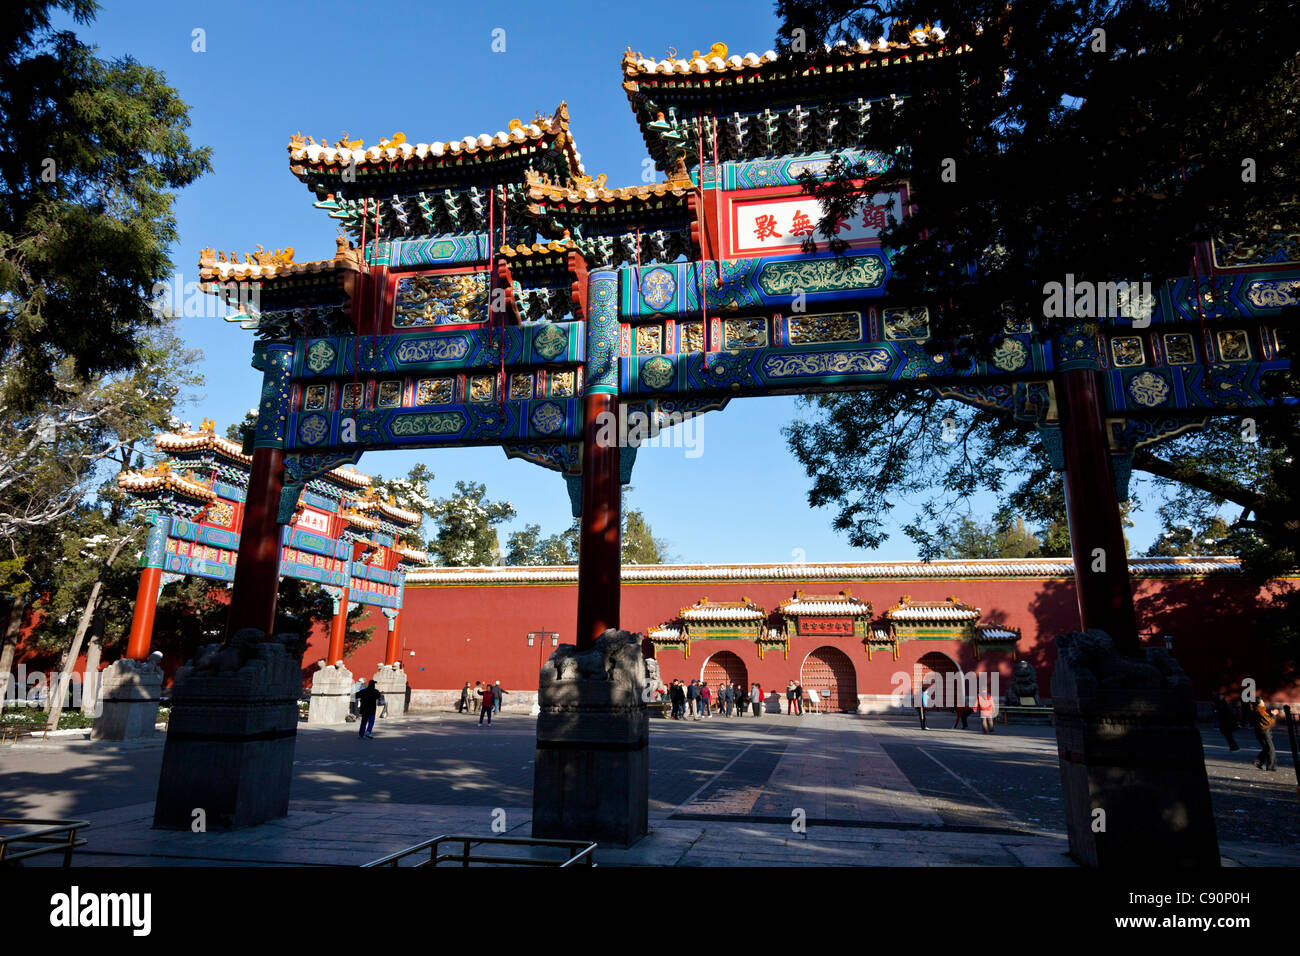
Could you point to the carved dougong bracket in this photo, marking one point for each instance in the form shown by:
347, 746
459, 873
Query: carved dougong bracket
301, 469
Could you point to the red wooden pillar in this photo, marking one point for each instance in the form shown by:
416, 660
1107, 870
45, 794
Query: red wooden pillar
257, 568
146, 603
338, 628
394, 630
599, 541
1101, 575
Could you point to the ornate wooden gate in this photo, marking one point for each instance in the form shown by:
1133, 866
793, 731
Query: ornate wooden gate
829, 671
724, 667
942, 685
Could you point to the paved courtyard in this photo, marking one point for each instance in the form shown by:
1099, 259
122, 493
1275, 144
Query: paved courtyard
867, 791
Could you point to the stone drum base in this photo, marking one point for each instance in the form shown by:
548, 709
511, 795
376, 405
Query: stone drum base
228, 758
331, 695
1132, 762
592, 770
130, 691
390, 680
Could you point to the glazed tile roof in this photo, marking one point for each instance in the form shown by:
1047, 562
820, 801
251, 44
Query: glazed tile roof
664, 633
995, 632
950, 610
413, 554
543, 131
162, 478
1017, 568
214, 267
202, 440
718, 60
594, 192
706, 610
815, 605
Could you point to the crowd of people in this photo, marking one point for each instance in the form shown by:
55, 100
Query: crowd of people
698, 700
483, 699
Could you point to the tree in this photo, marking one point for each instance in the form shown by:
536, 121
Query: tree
1102, 140
411, 493
91, 150
971, 539
640, 546
466, 521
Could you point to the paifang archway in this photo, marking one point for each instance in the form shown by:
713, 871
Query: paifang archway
489, 292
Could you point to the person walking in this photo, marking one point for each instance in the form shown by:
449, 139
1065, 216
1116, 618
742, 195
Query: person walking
693, 699
921, 705
798, 698
498, 692
984, 704
756, 700
463, 704
1262, 722
963, 712
706, 698
1227, 722
367, 699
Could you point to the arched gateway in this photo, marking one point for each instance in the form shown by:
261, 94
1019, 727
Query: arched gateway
725, 667
829, 671
943, 683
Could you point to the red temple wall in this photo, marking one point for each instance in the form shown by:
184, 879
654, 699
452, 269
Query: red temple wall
454, 633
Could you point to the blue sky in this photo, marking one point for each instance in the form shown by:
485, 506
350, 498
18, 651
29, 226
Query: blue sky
427, 69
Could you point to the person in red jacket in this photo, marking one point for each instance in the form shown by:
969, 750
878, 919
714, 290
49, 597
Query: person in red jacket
706, 698
987, 709
486, 708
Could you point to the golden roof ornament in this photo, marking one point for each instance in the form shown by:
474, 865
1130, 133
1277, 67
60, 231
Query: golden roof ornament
719, 50
297, 140
346, 143
397, 140
207, 256
207, 427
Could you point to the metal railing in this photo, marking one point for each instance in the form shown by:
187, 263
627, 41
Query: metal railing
52, 836
580, 852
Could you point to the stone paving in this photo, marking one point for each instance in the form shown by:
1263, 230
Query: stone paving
779, 791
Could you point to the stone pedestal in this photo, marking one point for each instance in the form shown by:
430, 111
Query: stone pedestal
331, 695
229, 749
129, 692
1132, 764
390, 680
592, 772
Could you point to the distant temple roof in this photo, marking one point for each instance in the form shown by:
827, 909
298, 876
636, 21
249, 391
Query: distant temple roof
860, 571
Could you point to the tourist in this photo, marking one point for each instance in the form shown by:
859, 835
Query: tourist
984, 703
728, 698
485, 709
498, 692
789, 698
463, 704
367, 698
798, 698
963, 713
677, 693
1227, 722
742, 701
478, 698
706, 698
756, 700
922, 703
693, 699
1262, 721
